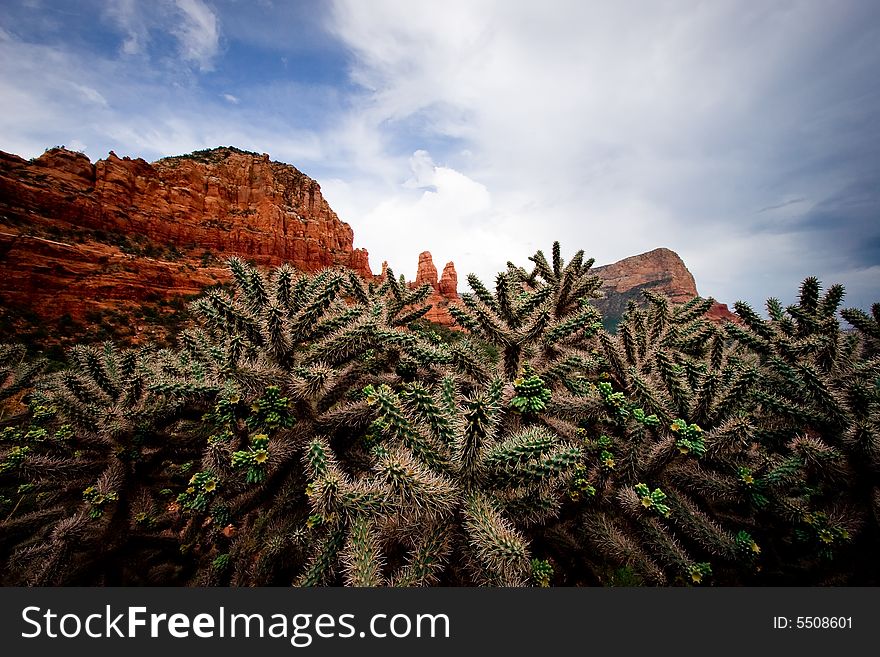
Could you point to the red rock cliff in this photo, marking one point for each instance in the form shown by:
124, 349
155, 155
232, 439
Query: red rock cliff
223, 200
661, 271
77, 237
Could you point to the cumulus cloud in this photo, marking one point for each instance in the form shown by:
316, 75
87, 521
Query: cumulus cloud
429, 211
620, 128
424, 171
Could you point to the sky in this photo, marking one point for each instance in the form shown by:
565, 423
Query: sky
745, 136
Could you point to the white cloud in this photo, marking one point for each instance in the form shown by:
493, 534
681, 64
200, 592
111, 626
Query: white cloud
125, 14
50, 95
89, 94
192, 23
198, 33
443, 205
424, 170
436, 209
229, 98
616, 128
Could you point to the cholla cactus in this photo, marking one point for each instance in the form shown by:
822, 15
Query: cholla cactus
17, 374
541, 316
291, 353
95, 451
451, 468
815, 410
464, 469
868, 326
758, 436
306, 430
448, 482
531, 396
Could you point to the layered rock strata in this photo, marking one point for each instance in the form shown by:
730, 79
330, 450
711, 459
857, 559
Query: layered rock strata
77, 237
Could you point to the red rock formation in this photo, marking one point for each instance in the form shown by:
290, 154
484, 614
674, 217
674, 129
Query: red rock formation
661, 271
77, 237
448, 286
85, 281
360, 262
720, 313
427, 272
223, 200
443, 291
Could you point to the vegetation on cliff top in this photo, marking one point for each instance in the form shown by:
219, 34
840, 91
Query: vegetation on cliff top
209, 155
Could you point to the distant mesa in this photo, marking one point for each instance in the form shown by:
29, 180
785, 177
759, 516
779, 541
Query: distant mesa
661, 271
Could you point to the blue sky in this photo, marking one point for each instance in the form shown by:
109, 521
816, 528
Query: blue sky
743, 135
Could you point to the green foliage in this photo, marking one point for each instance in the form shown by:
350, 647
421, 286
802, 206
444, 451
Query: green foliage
271, 411
746, 546
531, 396
653, 500
97, 500
208, 155
253, 459
542, 572
689, 438
700, 571
14, 458
202, 486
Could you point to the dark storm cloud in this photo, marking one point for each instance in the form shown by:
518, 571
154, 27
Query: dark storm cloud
846, 226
